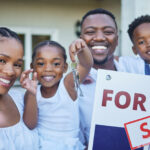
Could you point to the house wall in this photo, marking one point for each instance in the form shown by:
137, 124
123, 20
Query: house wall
53, 15
131, 9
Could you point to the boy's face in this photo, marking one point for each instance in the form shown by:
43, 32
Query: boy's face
100, 33
141, 41
49, 65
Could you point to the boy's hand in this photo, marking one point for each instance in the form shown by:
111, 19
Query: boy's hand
76, 47
27, 83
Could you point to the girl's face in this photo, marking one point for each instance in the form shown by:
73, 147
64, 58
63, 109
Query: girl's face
11, 54
50, 65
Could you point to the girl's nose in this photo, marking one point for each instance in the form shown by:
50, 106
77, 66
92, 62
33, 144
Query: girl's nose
48, 67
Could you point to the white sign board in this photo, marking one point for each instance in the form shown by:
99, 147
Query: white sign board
119, 98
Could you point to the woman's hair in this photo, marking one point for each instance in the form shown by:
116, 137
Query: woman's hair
49, 43
7, 33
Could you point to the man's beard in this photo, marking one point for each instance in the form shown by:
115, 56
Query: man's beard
96, 62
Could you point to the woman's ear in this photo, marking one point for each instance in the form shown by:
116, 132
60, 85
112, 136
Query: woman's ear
134, 50
65, 68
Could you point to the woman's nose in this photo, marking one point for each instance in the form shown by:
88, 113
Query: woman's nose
9, 70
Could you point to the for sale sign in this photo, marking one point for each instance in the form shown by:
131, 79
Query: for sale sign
138, 132
119, 98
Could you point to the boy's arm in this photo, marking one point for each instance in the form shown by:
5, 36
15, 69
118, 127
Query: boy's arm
30, 115
79, 48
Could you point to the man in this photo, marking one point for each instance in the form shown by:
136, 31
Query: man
99, 30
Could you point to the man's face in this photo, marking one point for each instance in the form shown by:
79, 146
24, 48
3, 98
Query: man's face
100, 33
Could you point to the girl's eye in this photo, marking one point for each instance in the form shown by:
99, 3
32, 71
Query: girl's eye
40, 64
2, 61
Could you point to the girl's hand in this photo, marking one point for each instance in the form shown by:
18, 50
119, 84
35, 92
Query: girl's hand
27, 83
76, 47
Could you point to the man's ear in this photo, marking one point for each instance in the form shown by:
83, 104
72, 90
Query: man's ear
134, 50
65, 68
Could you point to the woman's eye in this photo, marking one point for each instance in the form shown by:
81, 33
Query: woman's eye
2, 61
56, 64
18, 65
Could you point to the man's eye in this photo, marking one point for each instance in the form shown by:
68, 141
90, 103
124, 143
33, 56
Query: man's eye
2, 61
89, 32
109, 32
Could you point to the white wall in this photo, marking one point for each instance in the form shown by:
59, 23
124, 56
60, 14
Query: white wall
130, 9
54, 15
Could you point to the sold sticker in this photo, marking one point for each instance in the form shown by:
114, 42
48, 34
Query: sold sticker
138, 132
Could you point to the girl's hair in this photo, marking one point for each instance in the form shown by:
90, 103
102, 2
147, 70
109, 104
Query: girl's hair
49, 43
5, 32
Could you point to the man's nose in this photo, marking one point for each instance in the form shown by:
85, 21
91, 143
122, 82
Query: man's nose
99, 36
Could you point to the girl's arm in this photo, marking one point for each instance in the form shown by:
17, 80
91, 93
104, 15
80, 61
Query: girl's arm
30, 115
79, 48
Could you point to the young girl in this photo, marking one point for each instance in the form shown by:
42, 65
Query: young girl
54, 110
14, 135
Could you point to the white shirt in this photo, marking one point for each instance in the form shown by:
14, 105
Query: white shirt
18, 136
58, 121
86, 102
132, 64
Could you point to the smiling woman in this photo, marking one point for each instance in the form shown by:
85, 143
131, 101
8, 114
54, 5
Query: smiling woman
14, 134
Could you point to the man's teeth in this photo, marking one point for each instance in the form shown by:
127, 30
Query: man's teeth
99, 47
5, 81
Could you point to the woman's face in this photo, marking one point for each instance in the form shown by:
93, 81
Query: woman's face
11, 61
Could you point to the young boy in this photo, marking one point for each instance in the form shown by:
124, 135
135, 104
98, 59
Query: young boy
139, 33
